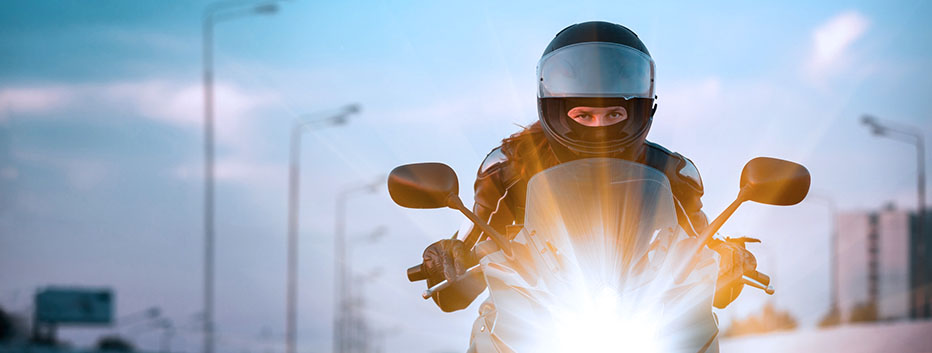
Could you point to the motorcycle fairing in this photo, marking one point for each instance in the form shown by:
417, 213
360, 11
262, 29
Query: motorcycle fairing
601, 240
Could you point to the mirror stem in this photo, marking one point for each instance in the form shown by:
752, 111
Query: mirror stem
455, 203
710, 231
713, 227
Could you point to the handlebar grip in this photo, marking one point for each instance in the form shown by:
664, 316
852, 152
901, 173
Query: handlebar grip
760, 277
417, 273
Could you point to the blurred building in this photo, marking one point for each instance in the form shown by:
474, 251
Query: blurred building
879, 264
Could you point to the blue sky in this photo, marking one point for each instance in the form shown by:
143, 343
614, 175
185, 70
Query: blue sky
100, 139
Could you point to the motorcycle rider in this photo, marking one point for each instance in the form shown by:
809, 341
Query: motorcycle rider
595, 99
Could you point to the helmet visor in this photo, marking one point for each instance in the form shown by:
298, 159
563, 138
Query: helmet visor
596, 69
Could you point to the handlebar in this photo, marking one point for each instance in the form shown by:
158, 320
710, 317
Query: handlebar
445, 283
758, 280
759, 277
417, 273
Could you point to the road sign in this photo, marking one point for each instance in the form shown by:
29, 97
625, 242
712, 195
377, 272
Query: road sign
74, 306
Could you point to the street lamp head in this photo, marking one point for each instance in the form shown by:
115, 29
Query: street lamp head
872, 123
266, 9
343, 117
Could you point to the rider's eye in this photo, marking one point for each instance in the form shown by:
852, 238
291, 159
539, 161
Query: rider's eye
582, 117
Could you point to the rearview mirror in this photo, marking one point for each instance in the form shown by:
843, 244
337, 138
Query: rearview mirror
423, 185
434, 185
766, 180
774, 181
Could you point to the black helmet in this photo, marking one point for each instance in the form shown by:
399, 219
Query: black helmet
595, 64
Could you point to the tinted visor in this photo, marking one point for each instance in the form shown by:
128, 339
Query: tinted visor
596, 69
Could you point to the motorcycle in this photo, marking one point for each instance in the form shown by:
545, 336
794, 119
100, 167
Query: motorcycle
601, 263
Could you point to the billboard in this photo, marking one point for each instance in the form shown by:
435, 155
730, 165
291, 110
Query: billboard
74, 306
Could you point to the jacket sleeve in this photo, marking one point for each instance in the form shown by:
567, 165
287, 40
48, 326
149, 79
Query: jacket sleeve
490, 193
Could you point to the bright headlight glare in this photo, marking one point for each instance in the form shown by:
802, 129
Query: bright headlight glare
601, 326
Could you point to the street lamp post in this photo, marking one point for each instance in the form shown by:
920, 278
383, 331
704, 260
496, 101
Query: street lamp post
341, 304
911, 135
359, 334
213, 14
291, 320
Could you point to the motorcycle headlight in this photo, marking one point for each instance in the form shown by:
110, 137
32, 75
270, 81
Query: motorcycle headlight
601, 326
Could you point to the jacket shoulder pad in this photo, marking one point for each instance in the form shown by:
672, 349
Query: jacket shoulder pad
493, 161
678, 168
689, 173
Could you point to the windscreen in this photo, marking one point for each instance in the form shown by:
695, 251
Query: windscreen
601, 215
595, 268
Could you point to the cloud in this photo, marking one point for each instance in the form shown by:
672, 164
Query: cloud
32, 99
236, 168
182, 104
174, 102
832, 39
